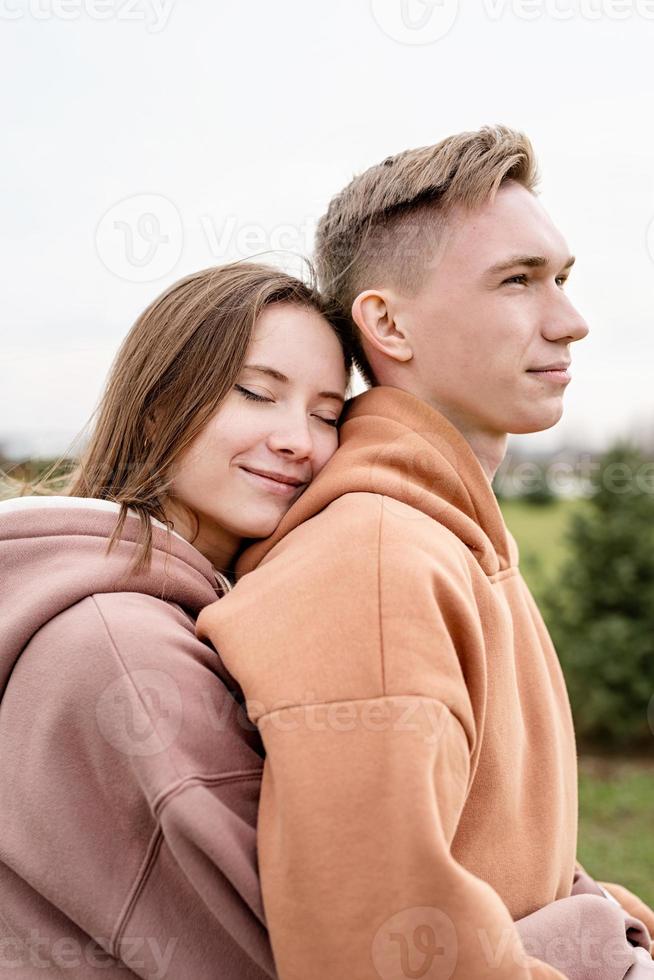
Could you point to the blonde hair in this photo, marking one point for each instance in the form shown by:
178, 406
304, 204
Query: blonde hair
179, 361
383, 227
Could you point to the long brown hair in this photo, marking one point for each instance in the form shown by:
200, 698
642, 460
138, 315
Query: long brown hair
179, 361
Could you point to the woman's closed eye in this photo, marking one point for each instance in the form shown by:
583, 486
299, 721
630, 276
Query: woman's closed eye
252, 394
260, 398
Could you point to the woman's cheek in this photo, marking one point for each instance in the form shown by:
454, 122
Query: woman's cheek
327, 450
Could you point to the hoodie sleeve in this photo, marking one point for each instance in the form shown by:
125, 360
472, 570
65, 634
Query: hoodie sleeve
634, 906
631, 905
551, 933
566, 933
351, 674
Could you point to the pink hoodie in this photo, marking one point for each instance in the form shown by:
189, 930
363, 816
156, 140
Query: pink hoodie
129, 775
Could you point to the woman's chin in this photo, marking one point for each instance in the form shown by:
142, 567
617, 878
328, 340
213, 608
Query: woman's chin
263, 525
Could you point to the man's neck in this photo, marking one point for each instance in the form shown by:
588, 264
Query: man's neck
489, 447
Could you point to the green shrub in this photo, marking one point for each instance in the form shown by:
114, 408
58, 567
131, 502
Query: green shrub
600, 609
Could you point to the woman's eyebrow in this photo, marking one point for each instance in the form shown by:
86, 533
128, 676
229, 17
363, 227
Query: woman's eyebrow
278, 376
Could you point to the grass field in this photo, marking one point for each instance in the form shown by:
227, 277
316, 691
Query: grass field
539, 530
616, 796
616, 836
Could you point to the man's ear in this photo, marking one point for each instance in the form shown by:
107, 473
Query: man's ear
372, 312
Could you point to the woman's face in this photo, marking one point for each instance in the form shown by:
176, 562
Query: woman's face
270, 437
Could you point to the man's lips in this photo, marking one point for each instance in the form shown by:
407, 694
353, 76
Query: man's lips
557, 372
279, 483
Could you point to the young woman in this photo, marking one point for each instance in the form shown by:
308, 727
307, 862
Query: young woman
129, 775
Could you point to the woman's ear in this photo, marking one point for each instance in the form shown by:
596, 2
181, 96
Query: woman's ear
372, 311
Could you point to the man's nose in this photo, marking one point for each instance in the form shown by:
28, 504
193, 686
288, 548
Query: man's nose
566, 323
580, 328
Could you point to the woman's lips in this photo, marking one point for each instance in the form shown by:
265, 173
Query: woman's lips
272, 486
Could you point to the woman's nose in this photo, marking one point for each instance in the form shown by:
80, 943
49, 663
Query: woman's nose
293, 439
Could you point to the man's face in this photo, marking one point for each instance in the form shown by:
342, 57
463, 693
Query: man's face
481, 335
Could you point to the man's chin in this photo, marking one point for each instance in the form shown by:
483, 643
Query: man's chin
536, 419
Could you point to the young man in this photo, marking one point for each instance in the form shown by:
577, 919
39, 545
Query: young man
418, 815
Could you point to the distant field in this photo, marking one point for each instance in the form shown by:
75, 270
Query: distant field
539, 530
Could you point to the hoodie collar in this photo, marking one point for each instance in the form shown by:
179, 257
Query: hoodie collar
53, 554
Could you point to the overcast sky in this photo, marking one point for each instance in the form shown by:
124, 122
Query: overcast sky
144, 139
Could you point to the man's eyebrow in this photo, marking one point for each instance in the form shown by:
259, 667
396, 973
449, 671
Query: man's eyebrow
278, 376
532, 261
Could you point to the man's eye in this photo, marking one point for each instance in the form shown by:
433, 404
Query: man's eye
519, 278
522, 278
250, 394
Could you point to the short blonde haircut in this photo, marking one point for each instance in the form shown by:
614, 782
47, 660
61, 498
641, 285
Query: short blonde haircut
384, 227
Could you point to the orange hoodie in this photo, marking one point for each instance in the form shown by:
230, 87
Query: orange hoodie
420, 786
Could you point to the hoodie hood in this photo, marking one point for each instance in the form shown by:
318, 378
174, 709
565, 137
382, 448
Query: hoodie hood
53, 554
394, 444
